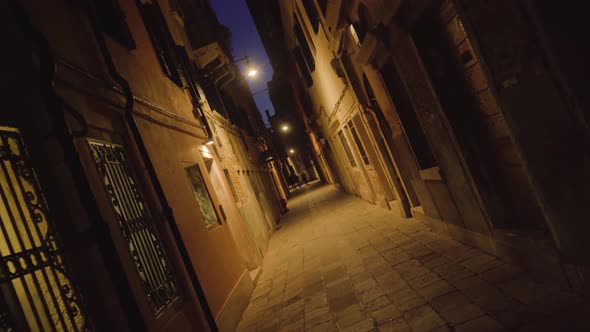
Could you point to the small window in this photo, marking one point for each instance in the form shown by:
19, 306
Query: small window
361, 27
231, 185
202, 196
323, 6
303, 44
312, 14
161, 38
111, 21
190, 73
302, 65
357, 140
346, 147
354, 35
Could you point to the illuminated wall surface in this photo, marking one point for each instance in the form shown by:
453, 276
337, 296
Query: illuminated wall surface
33, 278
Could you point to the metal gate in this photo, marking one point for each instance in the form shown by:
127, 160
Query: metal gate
36, 292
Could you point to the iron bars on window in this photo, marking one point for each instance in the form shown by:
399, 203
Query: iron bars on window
136, 224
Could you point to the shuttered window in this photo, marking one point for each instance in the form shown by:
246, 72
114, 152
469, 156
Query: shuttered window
162, 41
111, 20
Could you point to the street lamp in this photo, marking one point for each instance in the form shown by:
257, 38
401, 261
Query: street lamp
291, 151
285, 128
251, 71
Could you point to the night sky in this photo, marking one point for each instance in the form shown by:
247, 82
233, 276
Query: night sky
245, 40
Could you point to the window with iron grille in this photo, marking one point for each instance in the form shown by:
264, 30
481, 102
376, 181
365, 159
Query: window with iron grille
162, 41
36, 290
136, 224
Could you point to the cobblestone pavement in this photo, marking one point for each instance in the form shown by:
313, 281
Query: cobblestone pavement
339, 263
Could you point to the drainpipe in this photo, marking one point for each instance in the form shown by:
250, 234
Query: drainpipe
99, 228
157, 185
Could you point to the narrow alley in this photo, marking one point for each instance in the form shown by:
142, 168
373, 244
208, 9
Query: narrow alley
340, 263
295, 165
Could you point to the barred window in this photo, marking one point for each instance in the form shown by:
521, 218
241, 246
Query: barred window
136, 224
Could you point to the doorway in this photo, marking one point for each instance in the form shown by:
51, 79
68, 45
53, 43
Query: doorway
460, 82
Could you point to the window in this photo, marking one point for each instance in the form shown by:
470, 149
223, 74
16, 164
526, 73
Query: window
37, 293
302, 65
312, 14
136, 224
161, 38
323, 6
407, 115
111, 20
357, 140
307, 54
231, 185
346, 147
190, 73
354, 35
202, 195
361, 27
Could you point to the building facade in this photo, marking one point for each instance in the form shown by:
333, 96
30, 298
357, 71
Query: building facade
115, 213
240, 139
468, 115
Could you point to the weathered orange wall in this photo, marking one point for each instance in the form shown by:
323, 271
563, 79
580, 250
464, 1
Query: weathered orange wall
214, 254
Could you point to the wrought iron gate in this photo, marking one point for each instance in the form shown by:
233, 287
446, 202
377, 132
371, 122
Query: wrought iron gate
136, 224
35, 291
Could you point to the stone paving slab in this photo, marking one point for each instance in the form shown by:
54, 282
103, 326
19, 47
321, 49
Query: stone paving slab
338, 263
